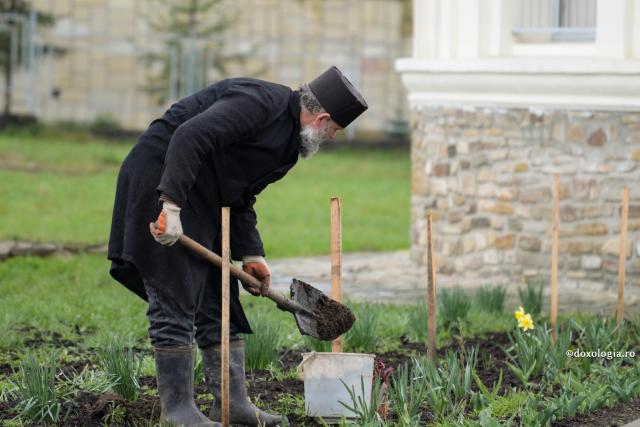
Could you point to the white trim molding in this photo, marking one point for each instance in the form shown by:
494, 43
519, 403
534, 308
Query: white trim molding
465, 54
582, 84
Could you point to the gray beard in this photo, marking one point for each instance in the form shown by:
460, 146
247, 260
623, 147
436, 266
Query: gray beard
311, 138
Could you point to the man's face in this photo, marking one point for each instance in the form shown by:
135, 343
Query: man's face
314, 134
329, 127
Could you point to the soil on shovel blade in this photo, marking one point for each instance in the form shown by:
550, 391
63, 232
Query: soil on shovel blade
333, 318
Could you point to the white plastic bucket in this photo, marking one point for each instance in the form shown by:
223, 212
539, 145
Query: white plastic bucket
323, 389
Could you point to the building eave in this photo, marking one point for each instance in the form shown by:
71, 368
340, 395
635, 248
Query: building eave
579, 83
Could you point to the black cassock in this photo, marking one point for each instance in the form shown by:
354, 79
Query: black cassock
219, 147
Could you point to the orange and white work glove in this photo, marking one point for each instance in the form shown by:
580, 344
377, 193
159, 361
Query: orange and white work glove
167, 229
258, 268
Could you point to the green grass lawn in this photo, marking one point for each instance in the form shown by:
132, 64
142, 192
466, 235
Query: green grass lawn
67, 310
60, 189
75, 297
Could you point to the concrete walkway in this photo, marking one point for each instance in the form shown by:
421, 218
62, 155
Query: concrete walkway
393, 278
389, 277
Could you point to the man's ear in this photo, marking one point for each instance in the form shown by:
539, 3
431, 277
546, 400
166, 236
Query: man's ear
322, 118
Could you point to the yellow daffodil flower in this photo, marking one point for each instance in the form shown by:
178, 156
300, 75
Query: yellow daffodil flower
519, 313
525, 322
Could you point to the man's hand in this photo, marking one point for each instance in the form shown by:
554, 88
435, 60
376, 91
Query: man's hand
258, 268
167, 229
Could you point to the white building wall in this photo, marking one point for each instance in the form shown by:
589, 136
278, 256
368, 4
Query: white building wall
496, 114
464, 52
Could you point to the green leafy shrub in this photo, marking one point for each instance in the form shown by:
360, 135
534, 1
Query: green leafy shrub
486, 419
531, 298
261, 347
315, 344
363, 336
457, 368
417, 322
39, 395
622, 383
454, 307
366, 412
528, 353
104, 124
407, 392
538, 411
603, 333
198, 368
485, 397
557, 352
123, 367
448, 382
508, 405
491, 298
91, 381
589, 392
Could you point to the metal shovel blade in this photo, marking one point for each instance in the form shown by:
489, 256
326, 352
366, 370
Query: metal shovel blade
330, 319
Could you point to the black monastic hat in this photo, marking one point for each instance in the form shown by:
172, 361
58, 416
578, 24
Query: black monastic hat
338, 96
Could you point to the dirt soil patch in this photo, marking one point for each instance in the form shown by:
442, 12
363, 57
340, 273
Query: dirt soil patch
618, 415
89, 410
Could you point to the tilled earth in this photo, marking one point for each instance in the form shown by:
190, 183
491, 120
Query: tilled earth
88, 409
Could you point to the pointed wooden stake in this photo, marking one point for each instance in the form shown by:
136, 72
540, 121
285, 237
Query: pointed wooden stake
336, 261
431, 293
224, 341
554, 255
622, 254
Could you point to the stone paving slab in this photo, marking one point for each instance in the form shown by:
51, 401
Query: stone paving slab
635, 423
389, 277
12, 248
393, 278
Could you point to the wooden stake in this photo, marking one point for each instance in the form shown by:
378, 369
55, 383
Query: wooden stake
224, 342
336, 261
554, 254
623, 254
431, 293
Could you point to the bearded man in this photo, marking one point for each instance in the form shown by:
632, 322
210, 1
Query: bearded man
219, 147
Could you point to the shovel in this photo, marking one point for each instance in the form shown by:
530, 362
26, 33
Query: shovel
316, 314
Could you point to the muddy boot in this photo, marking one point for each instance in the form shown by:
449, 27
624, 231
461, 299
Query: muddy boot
174, 371
241, 410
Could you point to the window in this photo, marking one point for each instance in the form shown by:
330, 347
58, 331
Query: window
549, 21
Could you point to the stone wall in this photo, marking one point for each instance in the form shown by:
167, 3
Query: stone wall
291, 41
486, 176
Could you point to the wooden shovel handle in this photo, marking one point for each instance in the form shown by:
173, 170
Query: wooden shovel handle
282, 301
215, 259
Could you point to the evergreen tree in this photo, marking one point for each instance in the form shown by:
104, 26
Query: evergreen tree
15, 16
193, 50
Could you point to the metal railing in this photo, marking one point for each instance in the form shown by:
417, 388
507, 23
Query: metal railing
21, 61
545, 21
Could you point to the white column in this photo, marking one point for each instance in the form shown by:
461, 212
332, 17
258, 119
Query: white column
499, 26
448, 31
469, 29
465, 29
613, 28
635, 30
425, 28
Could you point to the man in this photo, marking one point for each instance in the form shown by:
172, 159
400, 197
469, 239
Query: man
219, 147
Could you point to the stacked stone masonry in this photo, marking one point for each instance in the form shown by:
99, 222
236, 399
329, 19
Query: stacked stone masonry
486, 176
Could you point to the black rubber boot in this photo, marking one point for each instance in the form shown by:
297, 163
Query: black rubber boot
174, 371
241, 410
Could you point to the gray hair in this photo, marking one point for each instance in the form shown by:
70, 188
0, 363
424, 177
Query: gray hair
309, 101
